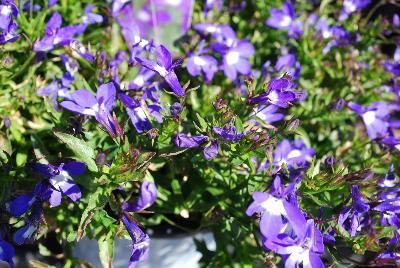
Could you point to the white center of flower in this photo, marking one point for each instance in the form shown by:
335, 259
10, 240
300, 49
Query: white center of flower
5, 10
174, 2
92, 110
286, 21
144, 16
139, 80
369, 117
199, 61
274, 206
56, 180
232, 57
161, 70
294, 153
273, 96
140, 113
349, 6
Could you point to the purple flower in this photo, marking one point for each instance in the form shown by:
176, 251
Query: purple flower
210, 4
59, 178
129, 26
165, 68
141, 79
351, 216
350, 6
52, 3
10, 34
7, 10
268, 114
185, 141
294, 155
7, 122
6, 252
117, 5
53, 91
29, 230
113, 67
136, 113
83, 102
89, 17
288, 64
306, 249
393, 68
285, 19
235, 59
72, 66
279, 93
224, 34
176, 108
147, 197
23, 203
276, 211
55, 35
140, 240
228, 133
211, 150
376, 117
79, 48
205, 64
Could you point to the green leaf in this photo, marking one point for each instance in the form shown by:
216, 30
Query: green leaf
39, 264
106, 252
202, 121
96, 200
80, 148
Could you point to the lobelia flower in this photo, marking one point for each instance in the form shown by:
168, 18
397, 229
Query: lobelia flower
55, 90
288, 63
83, 102
6, 252
235, 59
165, 68
279, 93
113, 67
210, 4
60, 179
8, 9
389, 198
9, 34
211, 150
52, 3
228, 133
276, 211
23, 203
137, 115
79, 48
29, 230
306, 249
351, 216
185, 141
350, 6
176, 108
140, 240
72, 66
205, 64
294, 155
89, 17
376, 117
268, 113
184, 7
141, 79
285, 19
147, 197
224, 34
130, 29
55, 35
